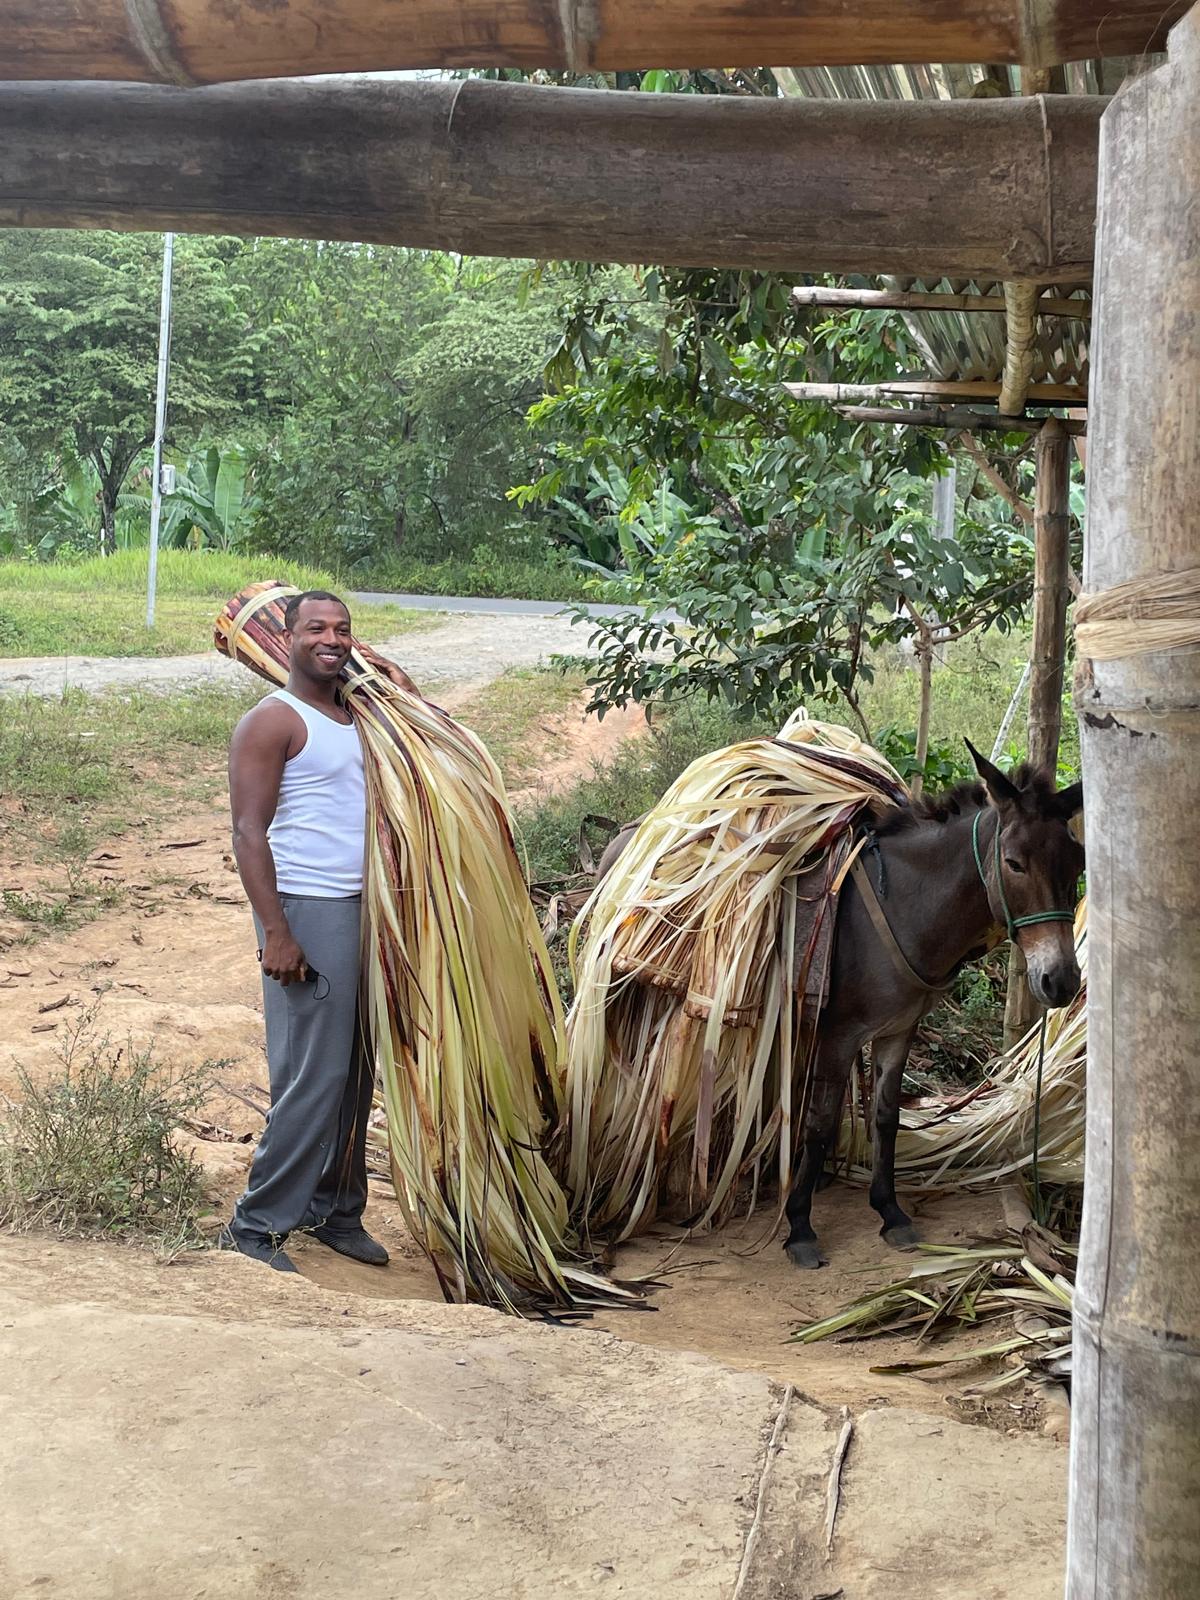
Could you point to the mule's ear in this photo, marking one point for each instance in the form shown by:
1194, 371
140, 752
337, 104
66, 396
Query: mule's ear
1069, 802
1001, 790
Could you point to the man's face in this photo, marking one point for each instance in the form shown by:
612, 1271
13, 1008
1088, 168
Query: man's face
320, 639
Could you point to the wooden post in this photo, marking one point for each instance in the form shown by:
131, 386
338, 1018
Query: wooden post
1051, 562
1134, 1526
1051, 567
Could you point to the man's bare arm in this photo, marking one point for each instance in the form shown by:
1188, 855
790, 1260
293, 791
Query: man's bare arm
257, 754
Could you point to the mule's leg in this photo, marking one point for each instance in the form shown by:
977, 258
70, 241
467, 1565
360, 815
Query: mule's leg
831, 1070
890, 1054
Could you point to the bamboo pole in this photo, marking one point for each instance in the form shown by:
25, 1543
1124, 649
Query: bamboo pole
1020, 339
1134, 1529
955, 419
1043, 394
1051, 568
919, 300
518, 170
203, 41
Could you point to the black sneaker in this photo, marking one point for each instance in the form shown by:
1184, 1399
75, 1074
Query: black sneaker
357, 1244
258, 1246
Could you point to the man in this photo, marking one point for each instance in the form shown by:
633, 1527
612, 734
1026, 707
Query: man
299, 815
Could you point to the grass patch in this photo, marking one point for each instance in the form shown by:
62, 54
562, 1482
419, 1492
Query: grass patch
512, 716
971, 691
97, 607
91, 1150
88, 768
83, 757
487, 574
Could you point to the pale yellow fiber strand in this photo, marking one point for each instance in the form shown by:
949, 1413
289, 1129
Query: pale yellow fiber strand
1143, 616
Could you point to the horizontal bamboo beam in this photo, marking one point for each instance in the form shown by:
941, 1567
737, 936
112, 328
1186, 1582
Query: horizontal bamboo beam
955, 419
919, 300
1038, 394
212, 41
517, 170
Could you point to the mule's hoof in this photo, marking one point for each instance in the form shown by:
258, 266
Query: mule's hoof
903, 1237
805, 1253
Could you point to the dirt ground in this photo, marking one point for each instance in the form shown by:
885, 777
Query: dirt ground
465, 649
650, 1427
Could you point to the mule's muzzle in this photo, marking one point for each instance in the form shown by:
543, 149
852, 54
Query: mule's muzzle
1056, 985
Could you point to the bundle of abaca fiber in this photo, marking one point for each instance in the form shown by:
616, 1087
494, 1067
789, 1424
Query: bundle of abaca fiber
459, 999
688, 1037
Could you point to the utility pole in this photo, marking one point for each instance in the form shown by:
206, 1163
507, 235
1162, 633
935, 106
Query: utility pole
160, 420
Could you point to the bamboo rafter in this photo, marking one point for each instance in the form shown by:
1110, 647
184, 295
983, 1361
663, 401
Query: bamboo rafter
1044, 394
918, 300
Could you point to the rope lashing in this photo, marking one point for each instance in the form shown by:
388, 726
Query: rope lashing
1011, 923
248, 609
1142, 616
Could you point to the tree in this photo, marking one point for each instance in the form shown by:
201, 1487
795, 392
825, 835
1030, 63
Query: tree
79, 346
804, 541
399, 385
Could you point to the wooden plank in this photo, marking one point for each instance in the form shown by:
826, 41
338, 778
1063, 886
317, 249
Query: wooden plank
1133, 1530
919, 300
516, 170
1038, 394
212, 41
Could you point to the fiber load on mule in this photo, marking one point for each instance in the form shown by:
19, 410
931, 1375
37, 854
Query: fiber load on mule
459, 1001
701, 972
986, 1135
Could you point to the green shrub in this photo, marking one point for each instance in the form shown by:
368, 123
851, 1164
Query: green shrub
91, 1150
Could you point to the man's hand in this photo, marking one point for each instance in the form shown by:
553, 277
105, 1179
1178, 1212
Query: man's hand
388, 669
283, 959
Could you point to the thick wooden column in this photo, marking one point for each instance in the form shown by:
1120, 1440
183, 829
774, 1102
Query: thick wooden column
1135, 1446
1051, 531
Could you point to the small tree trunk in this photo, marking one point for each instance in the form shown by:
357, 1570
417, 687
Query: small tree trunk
108, 523
925, 664
1051, 522
1133, 1525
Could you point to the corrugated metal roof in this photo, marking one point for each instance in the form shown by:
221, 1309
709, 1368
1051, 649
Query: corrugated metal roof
959, 344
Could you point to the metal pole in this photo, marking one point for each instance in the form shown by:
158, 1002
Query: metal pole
160, 420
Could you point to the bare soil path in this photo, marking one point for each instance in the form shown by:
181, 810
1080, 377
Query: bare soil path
469, 649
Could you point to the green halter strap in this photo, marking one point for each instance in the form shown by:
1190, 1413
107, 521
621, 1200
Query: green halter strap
1011, 923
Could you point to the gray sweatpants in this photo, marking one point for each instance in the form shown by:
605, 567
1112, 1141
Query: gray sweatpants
310, 1166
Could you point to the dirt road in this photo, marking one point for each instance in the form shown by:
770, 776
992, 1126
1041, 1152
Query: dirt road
467, 650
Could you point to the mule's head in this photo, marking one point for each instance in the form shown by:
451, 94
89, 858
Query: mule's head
1040, 863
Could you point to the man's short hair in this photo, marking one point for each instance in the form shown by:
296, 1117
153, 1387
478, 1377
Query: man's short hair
292, 610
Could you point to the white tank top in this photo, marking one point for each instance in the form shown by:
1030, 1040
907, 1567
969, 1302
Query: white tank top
319, 828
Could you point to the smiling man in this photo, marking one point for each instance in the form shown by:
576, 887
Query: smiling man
299, 814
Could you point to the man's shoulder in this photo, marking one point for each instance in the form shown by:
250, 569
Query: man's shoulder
270, 720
